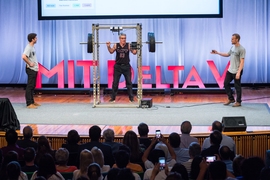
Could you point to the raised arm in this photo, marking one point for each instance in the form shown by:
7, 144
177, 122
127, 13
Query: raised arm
219, 53
171, 151
147, 151
111, 50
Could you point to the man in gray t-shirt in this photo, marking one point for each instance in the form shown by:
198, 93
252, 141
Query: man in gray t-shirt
237, 57
31, 69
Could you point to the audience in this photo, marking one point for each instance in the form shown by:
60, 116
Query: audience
13, 171
108, 136
182, 154
179, 168
143, 139
86, 158
99, 159
94, 172
43, 148
186, 139
215, 140
29, 159
27, 136
237, 162
226, 140
225, 154
251, 168
73, 138
94, 134
61, 157
47, 168
193, 150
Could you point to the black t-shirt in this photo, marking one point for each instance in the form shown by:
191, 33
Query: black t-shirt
122, 54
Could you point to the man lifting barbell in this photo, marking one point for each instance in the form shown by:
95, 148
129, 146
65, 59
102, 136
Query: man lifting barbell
121, 66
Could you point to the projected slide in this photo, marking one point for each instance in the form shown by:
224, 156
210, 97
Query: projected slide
127, 8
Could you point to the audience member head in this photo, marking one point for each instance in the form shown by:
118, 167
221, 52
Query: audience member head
94, 133
194, 149
61, 156
108, 135
121, 158
174, 176
10, 156
112, 174
13, 170
215, 137
98, 156
181, 169
73, 137
86, 158
186, 127
174, 140
11, 136
163, 147
125, 174
46, 166
251, 168
27, 132
265, 174
131, 140
217, 170
195, 167
94, 171
216, 125
43, 145
40, 178
237, 162
143, 130
29, 154
225, 153
155, 155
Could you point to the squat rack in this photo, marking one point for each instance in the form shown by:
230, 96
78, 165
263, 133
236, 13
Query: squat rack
96, 71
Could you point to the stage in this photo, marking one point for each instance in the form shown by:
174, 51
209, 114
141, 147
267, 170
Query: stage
61, 112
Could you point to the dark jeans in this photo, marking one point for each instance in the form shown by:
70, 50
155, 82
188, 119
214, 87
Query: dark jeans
237, 84
120, 69
31, 84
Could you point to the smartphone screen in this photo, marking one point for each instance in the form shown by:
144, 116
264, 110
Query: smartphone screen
210, 158
158, 134
161, 163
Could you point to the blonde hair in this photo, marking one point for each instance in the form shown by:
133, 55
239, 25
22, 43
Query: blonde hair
98, 156
86, 158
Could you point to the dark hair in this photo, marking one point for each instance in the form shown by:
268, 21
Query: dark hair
251, 168
11, 136
216, 125
29, 154
46, 166
121, 158
143, 129
31, 36
194, 149
217, 170
181, 169
93, 171
94, 133
155, 154
225, 152
186, 127
237, 36
40, 178
73, 137
216, 137
10, 156
125, 174
131, 140
27, 132
174, 140
112, 174
195, 167
237, 163
13, 170
174, 176
265, 173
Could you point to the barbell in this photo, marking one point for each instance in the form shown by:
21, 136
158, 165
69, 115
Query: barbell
151, 43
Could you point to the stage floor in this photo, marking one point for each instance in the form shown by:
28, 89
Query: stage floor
61, 112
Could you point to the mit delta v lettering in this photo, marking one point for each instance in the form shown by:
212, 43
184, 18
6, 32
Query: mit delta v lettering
193, 78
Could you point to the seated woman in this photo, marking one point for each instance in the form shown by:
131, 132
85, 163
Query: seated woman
43, 148
13, 171
61, 157
86, 158
99, 159
47, 168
